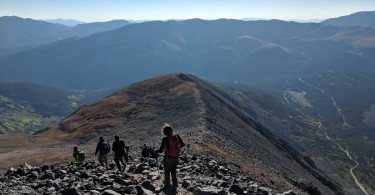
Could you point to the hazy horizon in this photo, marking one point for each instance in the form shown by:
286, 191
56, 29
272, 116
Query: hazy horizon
99, 11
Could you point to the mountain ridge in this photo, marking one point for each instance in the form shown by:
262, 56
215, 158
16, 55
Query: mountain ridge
216, 51
19, 34
66, 22
196, 109
365, 18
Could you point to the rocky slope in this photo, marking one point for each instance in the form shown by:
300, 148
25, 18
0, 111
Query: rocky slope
206, 118
196, 174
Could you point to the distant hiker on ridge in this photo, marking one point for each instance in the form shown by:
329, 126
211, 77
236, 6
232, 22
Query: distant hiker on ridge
171, 145
103, 148
78, 155
119, 148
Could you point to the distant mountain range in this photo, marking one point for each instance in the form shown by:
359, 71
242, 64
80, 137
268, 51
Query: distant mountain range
366, 19
18, 34
220, 50
66, 22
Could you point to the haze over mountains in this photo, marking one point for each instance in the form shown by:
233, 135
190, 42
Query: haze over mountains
218, 50
66, 22
366, 19
311, 84
18, 34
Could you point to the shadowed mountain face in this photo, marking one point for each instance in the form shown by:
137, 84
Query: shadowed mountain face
221, 50
357, 19
203, 115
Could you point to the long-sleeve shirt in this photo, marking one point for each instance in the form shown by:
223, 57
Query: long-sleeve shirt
99, 148
118, 147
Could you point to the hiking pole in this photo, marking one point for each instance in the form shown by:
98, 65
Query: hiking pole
182, 152
157, 164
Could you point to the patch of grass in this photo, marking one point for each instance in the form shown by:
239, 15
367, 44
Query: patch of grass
26, 124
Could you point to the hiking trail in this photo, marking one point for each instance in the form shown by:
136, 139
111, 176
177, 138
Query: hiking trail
347, 152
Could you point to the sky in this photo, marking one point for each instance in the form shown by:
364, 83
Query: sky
105, 10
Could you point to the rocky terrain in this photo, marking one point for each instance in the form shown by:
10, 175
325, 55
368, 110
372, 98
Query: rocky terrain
196, 174
207, 119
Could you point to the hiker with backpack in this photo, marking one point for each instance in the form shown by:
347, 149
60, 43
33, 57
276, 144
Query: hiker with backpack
119, 148
145, 151
78, 155
171, 145
103, 148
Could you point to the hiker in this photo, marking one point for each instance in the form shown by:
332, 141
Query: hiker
148, 152
171, 145
126, 153
78, 155
103, 148
119, 147
145, 151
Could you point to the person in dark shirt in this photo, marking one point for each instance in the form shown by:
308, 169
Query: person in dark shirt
171, 145
103, 155
118, 147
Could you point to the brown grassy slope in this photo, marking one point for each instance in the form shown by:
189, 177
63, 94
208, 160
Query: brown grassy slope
136, 113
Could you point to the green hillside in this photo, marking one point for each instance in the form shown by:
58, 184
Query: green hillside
26, 108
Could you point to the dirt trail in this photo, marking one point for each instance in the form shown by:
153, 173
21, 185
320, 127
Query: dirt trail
351, 170
360, 186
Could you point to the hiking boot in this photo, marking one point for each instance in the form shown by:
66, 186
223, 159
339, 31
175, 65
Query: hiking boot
165, 188
173, 188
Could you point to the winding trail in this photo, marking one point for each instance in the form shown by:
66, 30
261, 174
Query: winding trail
202, 109
360, 186
351, 170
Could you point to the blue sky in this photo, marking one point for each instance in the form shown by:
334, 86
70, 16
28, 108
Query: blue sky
104, 10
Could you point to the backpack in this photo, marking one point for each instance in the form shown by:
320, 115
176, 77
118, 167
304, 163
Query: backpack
173, 149
145, 152
126, 150
106, 147
81, 156
152, 153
